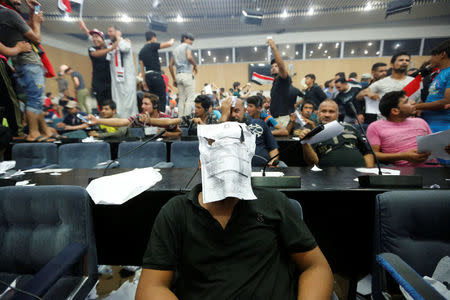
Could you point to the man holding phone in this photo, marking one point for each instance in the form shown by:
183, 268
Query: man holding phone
75, 120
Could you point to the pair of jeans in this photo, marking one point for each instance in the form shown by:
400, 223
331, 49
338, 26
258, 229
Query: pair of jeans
31, 82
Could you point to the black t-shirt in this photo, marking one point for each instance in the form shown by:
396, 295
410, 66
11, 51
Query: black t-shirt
101, 77
315, 95
265, 142
343, 98
150, 58
248, 260
282, 97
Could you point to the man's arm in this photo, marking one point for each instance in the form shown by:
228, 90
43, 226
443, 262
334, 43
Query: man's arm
410, 155
13, 51
155, 285
370, 161
226, 110
84, 28
172, 71
76, 127
163, 121
124, 45
283, 73
309, 155
316, 278
102, 52
76, 82
114, 122
280, 131
436, 105
34, 34
144, 83
167, 44
272, 153
191, 60
173, 134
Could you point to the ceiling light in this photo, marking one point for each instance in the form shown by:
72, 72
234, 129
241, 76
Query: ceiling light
227, 57
244, 13
311, 52
256, 49
214, 59
195, 53
368, 7
283, 53
209, 53
352, 52
320, 46
296, 52
160, 59
125, 19
337, 45
329, 57
365, 51
203, 59
326, 51
284, 14
396, 46
179, 19
311, 11
378, 52
369, 44
287, 46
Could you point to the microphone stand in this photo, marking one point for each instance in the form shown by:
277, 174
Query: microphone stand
380, 180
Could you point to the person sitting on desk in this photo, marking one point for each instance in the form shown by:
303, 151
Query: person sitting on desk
150, 110
108, 111
231, 243
348, 149
266, 145
394, 140
254, 106
201, 116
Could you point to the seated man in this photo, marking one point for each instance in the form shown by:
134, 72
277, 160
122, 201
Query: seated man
201, 116
149, 110
266, 145
226, 242
108, 111
306, 111
254, 106
394, 140
71, 122
345, 150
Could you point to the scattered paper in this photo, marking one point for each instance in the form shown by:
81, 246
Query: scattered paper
15, 174
55, 174
296, 138
53, 171
119, 188
365, 285
330, 130
32, 170
91, 139
316, 169
7, 165
435, 143
268, 174
375, 171
24, 182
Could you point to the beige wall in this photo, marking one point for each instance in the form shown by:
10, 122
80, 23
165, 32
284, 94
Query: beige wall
223, 75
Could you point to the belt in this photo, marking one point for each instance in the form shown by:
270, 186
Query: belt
151, 71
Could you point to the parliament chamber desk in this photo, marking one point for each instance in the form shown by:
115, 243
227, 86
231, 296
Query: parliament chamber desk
338, 212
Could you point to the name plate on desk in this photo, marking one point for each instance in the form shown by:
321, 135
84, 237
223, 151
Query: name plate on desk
150, 130
284, 182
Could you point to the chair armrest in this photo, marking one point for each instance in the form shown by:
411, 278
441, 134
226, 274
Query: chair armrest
53, 271
409, 279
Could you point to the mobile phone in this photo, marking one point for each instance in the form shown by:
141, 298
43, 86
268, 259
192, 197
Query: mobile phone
37, 9
82, 118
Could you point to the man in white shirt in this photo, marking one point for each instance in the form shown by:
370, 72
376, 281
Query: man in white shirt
396, 82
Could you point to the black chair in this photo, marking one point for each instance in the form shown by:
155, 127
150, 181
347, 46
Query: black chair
147, 155
411, 228
47, 242
83, 155
29, 155
184, 154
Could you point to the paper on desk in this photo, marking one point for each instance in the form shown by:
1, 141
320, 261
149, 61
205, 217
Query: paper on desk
330, 130
316, 169
435, 143
119, 188
7, 165
53, 171
32, 170
268, 174
375, 171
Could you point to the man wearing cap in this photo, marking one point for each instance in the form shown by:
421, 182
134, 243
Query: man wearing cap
184, 79
365, 80
227, 240
71, 121
81, 90
101, 77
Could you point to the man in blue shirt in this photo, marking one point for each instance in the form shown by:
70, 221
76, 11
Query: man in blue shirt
254, 106
434, 111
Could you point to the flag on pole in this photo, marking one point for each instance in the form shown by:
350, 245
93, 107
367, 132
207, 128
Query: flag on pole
69, 6
261, 79
413, 86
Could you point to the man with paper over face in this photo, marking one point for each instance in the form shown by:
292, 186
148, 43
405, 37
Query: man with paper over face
226, 240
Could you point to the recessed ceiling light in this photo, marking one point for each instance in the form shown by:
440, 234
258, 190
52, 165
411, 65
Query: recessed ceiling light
366, 52
369, 44
311, 11
296, 52
378, 52
283, 53
125, 19
326, 51
337, 45
352, 52
284, 14
256, 49
368, 7
396, 46
287, 46
209, 53
179, 19
329, 57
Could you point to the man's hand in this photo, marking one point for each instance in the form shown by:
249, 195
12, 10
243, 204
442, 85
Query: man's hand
144, 118
23, 46
373, 96
292, 117
197, 121
194, 70
415, 157
303, 133
118, 34
93, 133
145, 86
271, 43
61, 125
39, 18
360, 118
175, 84
32, 3
93, 119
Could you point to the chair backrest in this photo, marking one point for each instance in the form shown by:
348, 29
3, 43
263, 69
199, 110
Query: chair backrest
83, 155
184, 154
136, 132
415, 225
36, 223
27, 155
297, 207
146, 156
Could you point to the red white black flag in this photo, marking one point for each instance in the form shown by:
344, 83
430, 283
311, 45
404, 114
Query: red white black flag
261, 79
69, 6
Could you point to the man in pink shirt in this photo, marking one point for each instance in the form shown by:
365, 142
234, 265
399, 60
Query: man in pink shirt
394, 140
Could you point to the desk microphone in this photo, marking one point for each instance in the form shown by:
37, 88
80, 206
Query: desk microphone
381, 180
116, 162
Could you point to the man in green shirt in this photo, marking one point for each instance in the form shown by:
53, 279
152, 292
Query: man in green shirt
245, 247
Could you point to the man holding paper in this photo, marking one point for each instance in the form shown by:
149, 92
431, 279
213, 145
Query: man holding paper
348, 149
225, 242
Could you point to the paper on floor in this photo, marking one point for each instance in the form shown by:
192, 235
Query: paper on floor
119, 188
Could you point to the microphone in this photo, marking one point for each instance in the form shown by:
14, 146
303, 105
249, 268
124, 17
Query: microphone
381, 180
313, 132
116, 162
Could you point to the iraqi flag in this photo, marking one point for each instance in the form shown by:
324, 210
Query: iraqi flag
412, 87
261, 79
69, 6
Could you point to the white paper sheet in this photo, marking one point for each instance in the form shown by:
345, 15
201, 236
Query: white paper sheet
316, 169
119, 188
7, 165
375, 171
53, 171
330, 130
372, 106
435, 143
